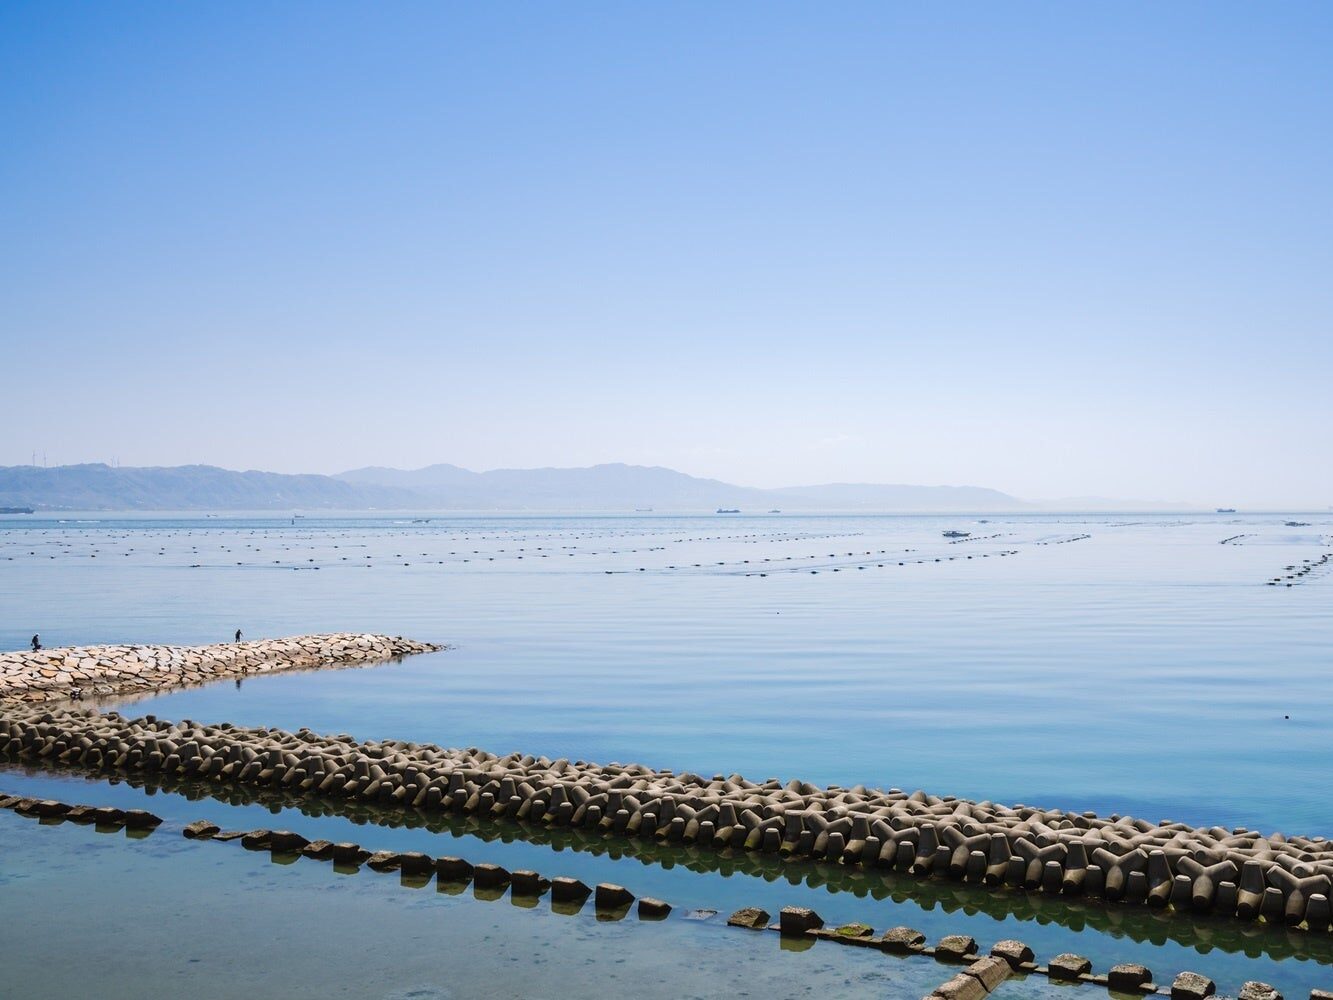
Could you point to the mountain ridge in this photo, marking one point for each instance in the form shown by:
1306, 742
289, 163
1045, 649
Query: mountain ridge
608, 486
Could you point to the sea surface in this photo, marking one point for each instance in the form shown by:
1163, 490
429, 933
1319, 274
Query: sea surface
1163, 666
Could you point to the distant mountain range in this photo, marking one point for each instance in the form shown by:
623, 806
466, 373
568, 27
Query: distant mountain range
620, 487
613, 487
184, 487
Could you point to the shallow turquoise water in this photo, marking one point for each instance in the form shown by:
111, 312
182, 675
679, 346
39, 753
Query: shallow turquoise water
1133, 664
170, 917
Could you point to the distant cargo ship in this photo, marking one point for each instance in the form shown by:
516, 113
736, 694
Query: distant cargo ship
957, 534
1226, 510
15, 510
728, 510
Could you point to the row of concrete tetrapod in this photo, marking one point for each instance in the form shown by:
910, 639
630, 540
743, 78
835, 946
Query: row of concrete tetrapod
567, 894
136, 821
46, 675
978, 977
1137, 924
1238, 872
982, 974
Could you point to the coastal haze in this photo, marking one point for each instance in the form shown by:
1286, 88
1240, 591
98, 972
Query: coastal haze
447, 487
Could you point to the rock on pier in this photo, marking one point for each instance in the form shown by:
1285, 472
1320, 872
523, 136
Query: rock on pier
54, 674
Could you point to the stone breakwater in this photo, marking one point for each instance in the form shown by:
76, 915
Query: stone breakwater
1236, 873
978, 976
73, 671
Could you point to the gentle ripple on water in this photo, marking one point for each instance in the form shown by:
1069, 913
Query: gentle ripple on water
1143, 669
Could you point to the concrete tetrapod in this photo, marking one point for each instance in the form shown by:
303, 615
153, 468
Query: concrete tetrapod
1240, 873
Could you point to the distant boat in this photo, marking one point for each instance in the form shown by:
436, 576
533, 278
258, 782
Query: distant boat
728, 510
1226, 510
957, 534
775, 511
15, 510
643, 510
1297, 524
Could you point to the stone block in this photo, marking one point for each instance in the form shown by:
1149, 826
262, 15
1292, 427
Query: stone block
1128, 977
653, 909
415, 863
528, 883
1068, 966
903, 940
256, 840
320, 850
955, 948
796, 920
852, 932
607, 896
453, 869
285, 841
961, 987
487, 876
349, 854
1016, 953
569, 890
1192, 986
990, 971
751, 917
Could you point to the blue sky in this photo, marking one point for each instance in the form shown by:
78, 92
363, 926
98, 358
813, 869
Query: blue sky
1053, 249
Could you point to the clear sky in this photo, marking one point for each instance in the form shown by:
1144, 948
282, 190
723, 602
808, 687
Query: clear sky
1055, 249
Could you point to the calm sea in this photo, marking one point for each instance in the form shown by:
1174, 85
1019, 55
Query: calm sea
1137, 664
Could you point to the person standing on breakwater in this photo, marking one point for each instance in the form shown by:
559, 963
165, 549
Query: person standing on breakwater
238, 635
36, 642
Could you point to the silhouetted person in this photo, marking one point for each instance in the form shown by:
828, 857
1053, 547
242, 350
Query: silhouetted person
36, 643
238, 635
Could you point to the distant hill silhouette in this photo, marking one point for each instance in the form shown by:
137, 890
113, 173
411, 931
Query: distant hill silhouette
185, 487
447, 487
621, 487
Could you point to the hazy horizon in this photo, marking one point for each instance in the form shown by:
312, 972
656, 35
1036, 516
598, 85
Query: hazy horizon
1070, 501
1053, 251
1122, 498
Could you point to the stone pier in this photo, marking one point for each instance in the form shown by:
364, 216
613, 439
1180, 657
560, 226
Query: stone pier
72, 671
